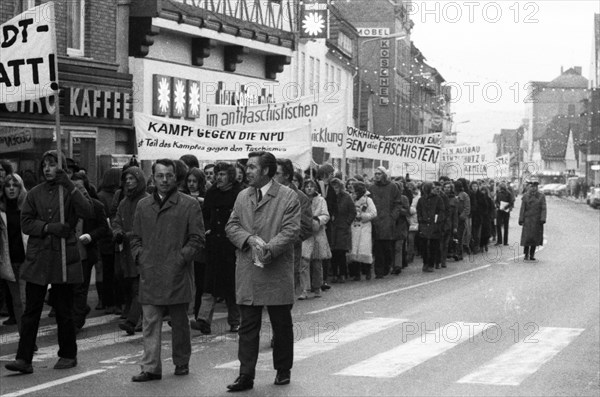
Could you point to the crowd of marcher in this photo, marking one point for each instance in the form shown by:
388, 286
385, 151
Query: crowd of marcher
252, 233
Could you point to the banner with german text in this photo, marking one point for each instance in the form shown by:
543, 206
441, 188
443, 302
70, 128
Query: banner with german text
325, 113
420, 149
28, 55
158, 137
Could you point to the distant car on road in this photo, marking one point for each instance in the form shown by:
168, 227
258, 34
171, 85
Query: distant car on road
548, 189
593, 197
559, 190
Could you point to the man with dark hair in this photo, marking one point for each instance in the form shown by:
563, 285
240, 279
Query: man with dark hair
264, 226
388, 201
209, 171
40, 220
162, 223
190, 160
284, 175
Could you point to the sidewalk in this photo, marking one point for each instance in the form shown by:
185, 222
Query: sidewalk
573, 199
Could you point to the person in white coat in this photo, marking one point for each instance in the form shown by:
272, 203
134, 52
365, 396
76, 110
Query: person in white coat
362, 243
315, 248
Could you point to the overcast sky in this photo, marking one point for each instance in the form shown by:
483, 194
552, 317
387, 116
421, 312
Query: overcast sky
503, 44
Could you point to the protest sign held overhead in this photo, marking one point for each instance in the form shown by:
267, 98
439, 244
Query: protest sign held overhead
28, 55
396, 148
469, 161
158, 137
325, 113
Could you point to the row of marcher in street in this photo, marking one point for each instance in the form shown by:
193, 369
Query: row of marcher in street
256, 235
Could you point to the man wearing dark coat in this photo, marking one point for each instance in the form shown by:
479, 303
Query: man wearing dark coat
430, 212
167, 232
388, 201
219, 275
264, 225
40, 219
532, 218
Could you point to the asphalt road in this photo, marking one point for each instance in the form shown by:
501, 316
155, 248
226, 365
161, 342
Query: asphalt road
489, 325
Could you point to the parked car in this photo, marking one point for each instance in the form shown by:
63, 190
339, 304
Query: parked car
593, 197
548, 189
559, 190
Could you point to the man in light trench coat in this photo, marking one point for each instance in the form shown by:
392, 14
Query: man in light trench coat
264, 225
167, 232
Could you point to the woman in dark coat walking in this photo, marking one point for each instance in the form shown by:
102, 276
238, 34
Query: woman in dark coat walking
486, 209
341, 234
532, 218
111, 291
219, 275
430, 212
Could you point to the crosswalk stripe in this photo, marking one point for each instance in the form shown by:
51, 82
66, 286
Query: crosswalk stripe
408, 355
326, 339
53, 383
524, 358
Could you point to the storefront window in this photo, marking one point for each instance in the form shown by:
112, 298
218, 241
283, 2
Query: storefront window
75, 27
24, 145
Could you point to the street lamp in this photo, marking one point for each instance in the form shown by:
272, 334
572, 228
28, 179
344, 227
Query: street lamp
396, 36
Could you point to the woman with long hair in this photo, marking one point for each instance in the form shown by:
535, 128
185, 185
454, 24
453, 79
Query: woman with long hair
315, 248
13, 244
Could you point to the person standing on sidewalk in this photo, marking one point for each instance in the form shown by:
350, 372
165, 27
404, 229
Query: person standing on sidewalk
219, 275
532, 218
40, 219
168, 230
264, 225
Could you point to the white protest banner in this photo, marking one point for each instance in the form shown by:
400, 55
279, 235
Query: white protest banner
28, 55
500, 168
395, 148
158, 137
13, 139
326, 114
468, 161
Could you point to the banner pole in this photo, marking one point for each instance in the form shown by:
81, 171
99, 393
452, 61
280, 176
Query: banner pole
345, 134
310, 166
61, 193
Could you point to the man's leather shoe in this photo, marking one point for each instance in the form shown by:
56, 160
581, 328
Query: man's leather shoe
201, 325
127, 327
19, 366
145, 377
243, 382
65, 363
283, 377
182, 369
